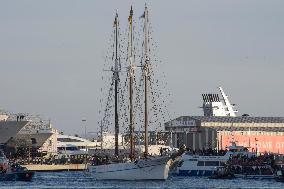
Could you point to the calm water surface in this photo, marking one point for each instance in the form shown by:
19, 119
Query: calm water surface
79, 180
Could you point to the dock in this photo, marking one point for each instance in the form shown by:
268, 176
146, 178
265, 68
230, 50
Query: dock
54, 168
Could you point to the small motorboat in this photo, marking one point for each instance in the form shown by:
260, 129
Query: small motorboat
13, 172
17, 176
16, 173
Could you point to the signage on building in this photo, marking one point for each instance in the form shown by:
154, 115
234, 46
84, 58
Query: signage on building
188, 123
188, 129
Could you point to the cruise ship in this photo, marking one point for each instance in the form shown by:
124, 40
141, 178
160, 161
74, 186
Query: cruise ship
10, 125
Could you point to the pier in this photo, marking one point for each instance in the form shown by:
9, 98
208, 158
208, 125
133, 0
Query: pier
50, 168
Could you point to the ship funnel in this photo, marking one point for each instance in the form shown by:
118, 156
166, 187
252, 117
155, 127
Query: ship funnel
213, 106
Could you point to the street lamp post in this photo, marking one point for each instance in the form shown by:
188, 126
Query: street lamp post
83, 121
85, 159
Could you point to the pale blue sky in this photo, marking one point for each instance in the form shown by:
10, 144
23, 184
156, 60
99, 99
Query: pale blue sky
51, 54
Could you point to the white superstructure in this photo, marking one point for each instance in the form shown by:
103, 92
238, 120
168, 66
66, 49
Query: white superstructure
72, 145
215, 106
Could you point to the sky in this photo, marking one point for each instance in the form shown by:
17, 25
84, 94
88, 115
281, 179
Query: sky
52, 55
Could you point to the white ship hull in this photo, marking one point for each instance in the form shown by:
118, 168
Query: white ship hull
143, 169
9, 129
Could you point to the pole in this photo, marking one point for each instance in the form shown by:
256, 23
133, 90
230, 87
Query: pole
145, 80
146, 116
86, 150
101, 135
116, 77
85, 127
131, 118
171, 137
131, 75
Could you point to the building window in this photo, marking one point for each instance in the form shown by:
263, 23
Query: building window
68, 140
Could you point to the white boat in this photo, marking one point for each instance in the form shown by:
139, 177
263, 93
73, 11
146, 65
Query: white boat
196, 165
147, 168
204, 165
155, 168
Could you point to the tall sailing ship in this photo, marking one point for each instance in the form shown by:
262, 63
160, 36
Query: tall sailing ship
137, 168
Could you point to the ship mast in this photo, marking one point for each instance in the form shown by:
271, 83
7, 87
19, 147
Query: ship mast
115, 71
131, 78
146, 73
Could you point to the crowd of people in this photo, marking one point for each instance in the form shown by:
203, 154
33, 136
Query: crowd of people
255, 165
206, 152
244, 160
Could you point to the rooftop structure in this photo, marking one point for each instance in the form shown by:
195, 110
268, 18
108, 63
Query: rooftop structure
229, 123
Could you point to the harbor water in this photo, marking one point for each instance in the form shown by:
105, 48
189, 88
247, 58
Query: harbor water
80, 180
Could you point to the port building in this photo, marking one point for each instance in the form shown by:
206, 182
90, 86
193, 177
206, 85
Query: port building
261, 134
220, 126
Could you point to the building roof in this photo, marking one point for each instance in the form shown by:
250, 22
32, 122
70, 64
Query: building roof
239, 119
